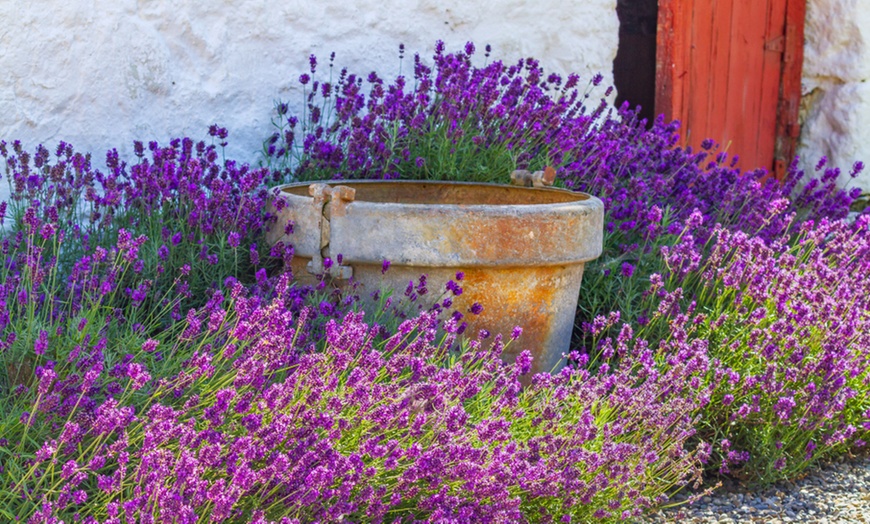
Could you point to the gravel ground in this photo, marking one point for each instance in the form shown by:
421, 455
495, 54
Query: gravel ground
838, 492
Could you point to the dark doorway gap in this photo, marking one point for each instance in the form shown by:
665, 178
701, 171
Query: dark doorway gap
634, 68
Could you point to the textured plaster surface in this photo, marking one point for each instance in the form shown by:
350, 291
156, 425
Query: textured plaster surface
836, 94
100, 74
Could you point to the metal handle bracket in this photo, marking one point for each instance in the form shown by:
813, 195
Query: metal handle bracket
524, 178
329, 201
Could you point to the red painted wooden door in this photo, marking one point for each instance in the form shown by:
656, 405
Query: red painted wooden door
730, 70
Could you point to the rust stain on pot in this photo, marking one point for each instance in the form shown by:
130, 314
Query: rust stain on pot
531, 295
522, 249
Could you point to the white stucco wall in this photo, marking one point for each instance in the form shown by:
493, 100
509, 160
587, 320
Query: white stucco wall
102, 73
835, 88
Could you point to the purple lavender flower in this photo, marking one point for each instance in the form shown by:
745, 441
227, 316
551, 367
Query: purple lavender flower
234, 239
41, 343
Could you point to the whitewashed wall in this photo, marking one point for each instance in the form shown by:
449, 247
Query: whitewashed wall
835, 88
102, 73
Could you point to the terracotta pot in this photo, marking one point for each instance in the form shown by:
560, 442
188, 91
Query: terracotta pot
522, 249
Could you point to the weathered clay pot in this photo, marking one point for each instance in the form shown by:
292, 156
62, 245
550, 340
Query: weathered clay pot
522, 249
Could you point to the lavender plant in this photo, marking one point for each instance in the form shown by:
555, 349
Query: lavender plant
158, 363
269, 402
662, 202
374, 426
205, 214
786, 323
81, 284
460, 121
456, 122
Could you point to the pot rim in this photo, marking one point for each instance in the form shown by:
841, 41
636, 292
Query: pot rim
430, 234
579, 198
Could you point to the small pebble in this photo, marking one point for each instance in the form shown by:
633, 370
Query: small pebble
835, 493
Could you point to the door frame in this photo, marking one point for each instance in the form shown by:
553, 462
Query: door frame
670, 49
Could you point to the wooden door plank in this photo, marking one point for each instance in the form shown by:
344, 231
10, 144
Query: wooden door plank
719, 60
748, 142
733, 80
701, 77
683, 61
747, 41
788, 129
669, 62
750, 46
771, 76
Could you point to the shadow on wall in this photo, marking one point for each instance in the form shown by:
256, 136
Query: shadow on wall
634, 68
